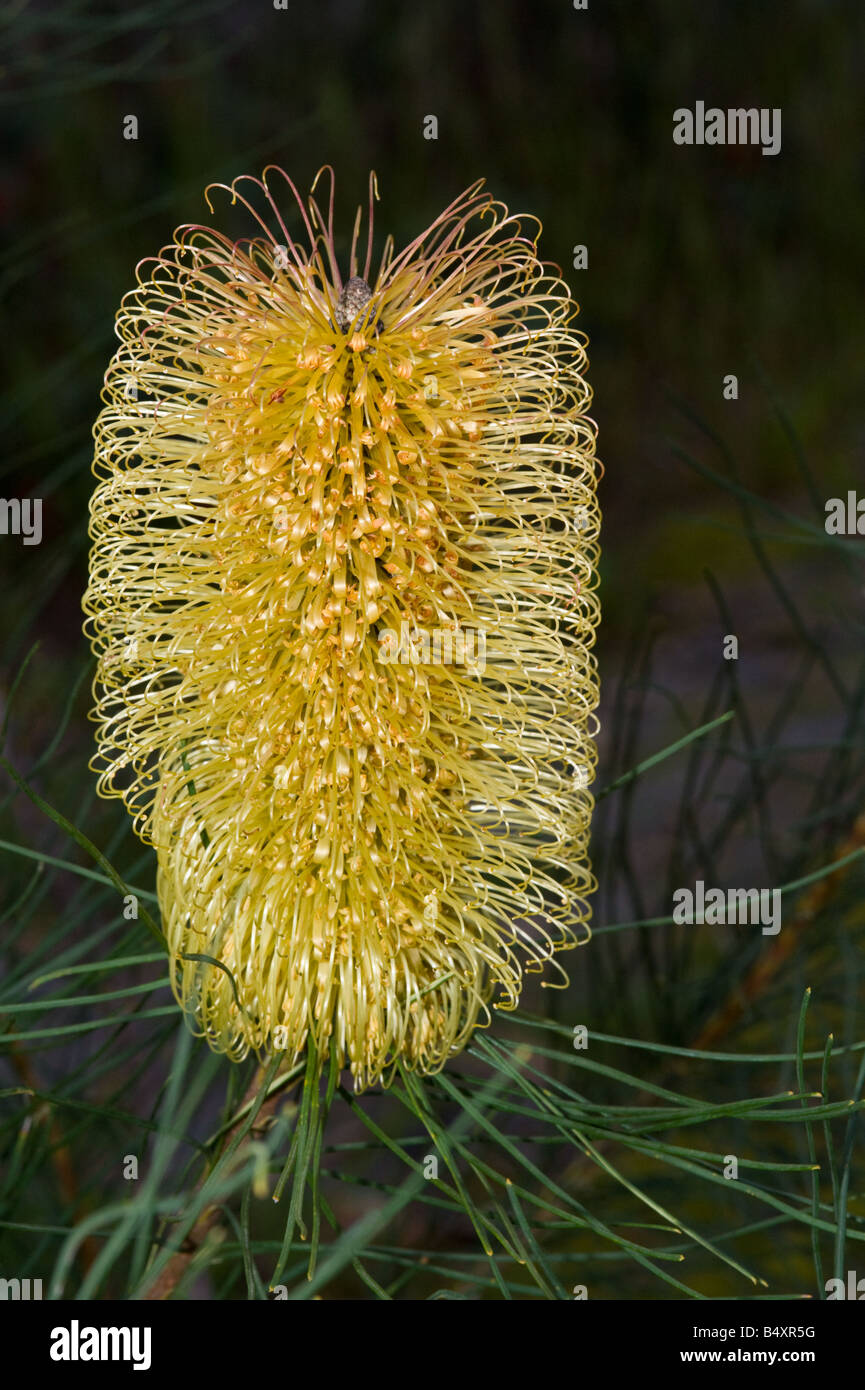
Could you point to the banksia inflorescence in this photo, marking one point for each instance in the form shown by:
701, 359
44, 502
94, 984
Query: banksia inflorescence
316, 499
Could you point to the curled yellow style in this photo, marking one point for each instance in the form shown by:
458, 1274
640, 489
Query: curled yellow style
343, 599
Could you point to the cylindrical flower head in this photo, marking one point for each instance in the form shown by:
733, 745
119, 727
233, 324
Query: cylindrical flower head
343, 598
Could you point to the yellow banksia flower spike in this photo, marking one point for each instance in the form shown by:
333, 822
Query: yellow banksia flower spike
343, 599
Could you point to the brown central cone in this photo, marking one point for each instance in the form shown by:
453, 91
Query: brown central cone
355, 294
